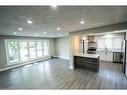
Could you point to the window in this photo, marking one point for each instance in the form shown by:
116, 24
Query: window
39, 49
13, 51
110, 43
32, 49
117, 42
23, 50
45, 46
18, 51
100, 44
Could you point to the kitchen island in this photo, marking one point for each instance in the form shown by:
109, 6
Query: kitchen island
87, 61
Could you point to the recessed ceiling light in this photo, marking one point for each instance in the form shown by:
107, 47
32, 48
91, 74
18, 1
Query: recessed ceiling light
44, 32
82, 22
15, 33
20, 29
50, 16
58, 28
29, 21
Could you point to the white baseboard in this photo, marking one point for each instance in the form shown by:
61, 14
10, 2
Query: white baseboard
25, 63
63, 57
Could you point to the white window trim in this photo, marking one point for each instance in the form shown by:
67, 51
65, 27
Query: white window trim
108, 38
29, 59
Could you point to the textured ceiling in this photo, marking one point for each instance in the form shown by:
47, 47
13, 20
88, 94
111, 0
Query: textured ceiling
47, 19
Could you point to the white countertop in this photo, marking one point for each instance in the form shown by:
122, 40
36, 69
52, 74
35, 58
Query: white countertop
87, 55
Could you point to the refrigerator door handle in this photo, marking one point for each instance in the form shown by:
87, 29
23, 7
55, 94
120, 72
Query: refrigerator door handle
122, 46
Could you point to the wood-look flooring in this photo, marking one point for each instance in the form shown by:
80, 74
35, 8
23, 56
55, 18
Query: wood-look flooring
55, 74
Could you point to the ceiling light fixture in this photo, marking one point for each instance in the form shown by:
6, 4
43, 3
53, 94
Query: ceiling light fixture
20, 29
50, 16
82, 22
58, 28
29, 22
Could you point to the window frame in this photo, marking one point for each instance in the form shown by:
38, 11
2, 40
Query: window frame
104, 39
19, 50
29, 59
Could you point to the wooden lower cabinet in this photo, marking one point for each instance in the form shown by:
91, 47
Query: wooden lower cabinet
91, 64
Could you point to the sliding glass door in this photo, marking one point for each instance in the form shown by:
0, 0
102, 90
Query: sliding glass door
45, 48
32, 49
23, 47
13, 51
39, 49
21, 50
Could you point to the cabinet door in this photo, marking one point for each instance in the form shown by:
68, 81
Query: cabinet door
109, 56
105, 56
102, 55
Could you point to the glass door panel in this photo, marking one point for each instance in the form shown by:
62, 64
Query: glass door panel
39, 48
23, 50
32, 49
45, 46
13, 51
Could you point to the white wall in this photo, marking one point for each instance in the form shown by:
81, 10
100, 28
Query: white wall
62, 47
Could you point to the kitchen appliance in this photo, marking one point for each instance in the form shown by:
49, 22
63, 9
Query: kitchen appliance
124, 59
117, 57
125, 64
91, 50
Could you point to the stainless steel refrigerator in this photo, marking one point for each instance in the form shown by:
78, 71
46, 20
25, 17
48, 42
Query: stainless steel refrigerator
124, 55
123, 51
125, 64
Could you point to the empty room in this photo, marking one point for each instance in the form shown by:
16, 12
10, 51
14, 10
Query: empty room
63, 47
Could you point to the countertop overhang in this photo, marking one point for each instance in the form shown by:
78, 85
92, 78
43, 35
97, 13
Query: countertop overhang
87, 55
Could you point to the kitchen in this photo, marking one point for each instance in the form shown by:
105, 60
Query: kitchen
109, 47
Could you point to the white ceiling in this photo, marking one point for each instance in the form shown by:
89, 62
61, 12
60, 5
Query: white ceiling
47, 19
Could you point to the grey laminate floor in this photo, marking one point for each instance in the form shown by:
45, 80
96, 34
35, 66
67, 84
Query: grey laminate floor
55, 74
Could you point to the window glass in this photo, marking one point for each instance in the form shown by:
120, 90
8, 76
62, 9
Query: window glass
13, 51
39, 48
45, 47
117, 42
100, 44
32, 49
108, 43
23, 50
